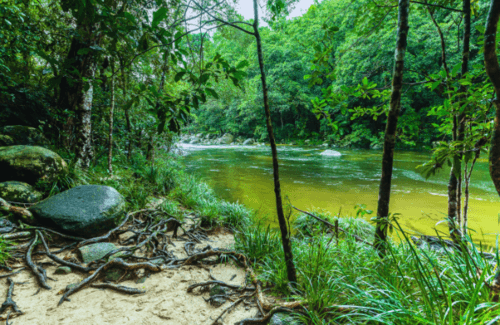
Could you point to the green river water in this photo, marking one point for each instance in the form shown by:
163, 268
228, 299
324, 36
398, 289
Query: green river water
342, 180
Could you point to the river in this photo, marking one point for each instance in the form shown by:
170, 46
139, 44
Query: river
342, 180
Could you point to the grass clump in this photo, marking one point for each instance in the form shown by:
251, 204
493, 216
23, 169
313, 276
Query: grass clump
409, 286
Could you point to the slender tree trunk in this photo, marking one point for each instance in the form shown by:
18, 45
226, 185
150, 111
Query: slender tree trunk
390, 130
493, 71
462, 218
126, 111
287, 247
454, 183
111, 111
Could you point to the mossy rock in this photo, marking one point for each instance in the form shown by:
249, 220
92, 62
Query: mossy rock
30, 164
63, 270
84, 211
114, 274
23, 135
19, 192
96, 251
6, 140
283, 319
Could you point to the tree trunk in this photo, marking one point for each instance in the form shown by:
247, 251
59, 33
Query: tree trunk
493, 71
111, 111
461, 218
390, 130
76, 92
287, 247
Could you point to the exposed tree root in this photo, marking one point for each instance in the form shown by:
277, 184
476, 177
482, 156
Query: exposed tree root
118, 262
9, 302
35, 268
61, 261
123, 289
220, 283
12, 273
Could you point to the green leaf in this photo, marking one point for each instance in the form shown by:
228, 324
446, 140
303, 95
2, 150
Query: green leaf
158, 16
242, 64
456, 68
130, 17
212, 92
480, 28
83, 51
179, 76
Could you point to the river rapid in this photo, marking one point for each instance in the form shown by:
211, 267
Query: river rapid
340, 179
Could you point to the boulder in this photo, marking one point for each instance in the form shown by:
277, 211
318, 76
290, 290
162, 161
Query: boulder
85, 211
6, 226
6, 140
29, 164
94, 252
307, 141
248, 142
226, 139
19, 192
377, 146
23, 135
283, 319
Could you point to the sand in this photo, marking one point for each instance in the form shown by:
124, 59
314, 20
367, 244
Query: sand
165, 301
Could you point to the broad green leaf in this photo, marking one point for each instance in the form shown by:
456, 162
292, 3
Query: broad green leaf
158, 16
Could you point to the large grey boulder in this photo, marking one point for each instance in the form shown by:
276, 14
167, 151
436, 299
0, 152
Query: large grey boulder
29, 164
226, 139
22, 135
85, 211
19, 192
248, 142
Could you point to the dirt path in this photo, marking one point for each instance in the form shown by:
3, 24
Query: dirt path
165, 301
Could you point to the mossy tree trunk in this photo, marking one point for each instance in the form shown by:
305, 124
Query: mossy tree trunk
493, 71
390, 130
76, 91
285, 236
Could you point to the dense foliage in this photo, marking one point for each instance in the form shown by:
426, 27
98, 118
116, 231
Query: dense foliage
334, 47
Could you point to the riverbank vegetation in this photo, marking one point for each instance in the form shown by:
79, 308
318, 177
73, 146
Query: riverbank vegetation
111, 85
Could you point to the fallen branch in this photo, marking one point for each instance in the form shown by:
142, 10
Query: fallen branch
25, 214
332, 226
16, 235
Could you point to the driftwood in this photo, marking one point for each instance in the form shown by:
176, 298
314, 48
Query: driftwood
123, 289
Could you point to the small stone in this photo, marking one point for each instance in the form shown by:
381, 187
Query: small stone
63, 270
95, 251
283, 319
114, 274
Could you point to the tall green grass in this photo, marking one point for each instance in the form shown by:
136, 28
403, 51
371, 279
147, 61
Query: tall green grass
409, 286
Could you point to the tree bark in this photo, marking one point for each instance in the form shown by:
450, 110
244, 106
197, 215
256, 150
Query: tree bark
287, 247
111, 111
390, 130
493, 71
76, 91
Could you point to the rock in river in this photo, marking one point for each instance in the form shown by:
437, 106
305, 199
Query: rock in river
331, 153
19, 192
85, 211
29, 164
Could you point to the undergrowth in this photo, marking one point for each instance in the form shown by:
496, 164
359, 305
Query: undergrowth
346, 282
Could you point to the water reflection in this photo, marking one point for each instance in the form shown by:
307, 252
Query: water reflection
343, 178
